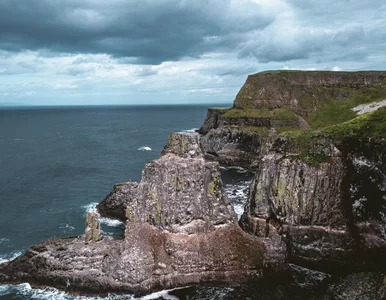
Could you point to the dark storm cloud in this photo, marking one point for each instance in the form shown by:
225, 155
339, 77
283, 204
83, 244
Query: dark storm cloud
149, 31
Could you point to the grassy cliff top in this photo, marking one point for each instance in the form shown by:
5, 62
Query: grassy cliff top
309, 93
372, 124
322, 98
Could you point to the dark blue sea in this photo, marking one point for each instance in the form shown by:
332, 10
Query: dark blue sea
57, 163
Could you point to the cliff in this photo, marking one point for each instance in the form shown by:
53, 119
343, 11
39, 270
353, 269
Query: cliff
319, 184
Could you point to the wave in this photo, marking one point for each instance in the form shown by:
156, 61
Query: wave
25, 291
190, 130
66, 227
144, 148
10, 256
236, 168
4, 240
237, 195
91, 207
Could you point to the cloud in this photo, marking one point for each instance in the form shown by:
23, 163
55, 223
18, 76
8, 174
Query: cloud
130, 51
149, 31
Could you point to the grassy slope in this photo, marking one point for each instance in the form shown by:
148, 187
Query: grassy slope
335, 112
320, 105
372, 124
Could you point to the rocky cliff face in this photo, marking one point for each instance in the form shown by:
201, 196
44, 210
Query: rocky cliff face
320, 192
328, 209
180, 230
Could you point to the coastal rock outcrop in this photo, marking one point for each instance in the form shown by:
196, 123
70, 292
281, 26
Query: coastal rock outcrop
180, 230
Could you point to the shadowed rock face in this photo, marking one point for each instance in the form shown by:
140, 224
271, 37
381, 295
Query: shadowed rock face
115, 203
180, 230
231, 146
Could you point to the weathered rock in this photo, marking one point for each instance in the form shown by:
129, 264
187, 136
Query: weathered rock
180, 230
257, 122
309, 279
357, 286
212, 119
296, 193
328, 209
115, 203
231, 146
92, 232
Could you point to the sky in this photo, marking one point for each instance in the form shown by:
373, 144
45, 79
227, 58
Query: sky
80, 52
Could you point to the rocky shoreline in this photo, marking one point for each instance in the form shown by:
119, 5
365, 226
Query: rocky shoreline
314, 218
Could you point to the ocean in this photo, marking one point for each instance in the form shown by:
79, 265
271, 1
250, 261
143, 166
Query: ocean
57, 163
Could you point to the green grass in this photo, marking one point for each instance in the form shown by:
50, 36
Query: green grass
319, 104
279, 113
335, 112
372, 124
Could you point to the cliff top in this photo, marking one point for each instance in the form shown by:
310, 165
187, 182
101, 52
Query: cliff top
322, 98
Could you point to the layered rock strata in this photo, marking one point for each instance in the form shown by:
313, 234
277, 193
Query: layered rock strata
329, 209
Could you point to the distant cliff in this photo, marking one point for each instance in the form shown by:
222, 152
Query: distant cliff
307, 91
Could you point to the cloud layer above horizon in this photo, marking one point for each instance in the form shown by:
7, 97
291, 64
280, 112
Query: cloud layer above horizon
175, 51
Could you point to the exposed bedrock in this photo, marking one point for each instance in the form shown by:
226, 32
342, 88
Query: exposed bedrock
180, 230
115, 203
232, 146
327, 204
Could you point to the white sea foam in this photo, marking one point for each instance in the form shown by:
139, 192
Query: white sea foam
164, 294
237, 169
11, 256
144, 148
67, 227
91, 207
4, 240
190, 130
25, 291
237, 195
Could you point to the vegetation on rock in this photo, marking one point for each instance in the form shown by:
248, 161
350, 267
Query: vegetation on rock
279, 113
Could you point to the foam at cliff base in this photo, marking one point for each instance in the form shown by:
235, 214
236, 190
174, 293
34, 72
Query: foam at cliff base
8, 257
109, 222
25, 291
190, 130
144, 148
